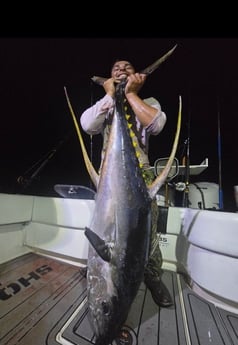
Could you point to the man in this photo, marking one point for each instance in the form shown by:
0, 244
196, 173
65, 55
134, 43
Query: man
148, 119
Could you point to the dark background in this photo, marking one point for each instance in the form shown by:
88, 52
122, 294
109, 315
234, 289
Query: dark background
37, 128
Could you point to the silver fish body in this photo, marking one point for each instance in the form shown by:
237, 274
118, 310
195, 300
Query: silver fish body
122, 219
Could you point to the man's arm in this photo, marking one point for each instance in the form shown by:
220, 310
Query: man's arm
92, 119
144, 111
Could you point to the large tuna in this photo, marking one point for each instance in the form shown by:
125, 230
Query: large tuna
119, 232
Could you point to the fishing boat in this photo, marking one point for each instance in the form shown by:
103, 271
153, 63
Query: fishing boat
44, 256
43, 291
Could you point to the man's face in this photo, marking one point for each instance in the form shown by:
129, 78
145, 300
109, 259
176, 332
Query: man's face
121, 70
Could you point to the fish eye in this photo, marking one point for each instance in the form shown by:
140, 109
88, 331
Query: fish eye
105, 308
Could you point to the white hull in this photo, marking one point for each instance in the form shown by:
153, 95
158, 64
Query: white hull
199, 244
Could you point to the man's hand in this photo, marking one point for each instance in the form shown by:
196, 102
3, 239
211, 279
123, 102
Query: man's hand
109, 87
135, 83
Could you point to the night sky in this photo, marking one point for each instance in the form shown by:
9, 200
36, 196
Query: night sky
35, 119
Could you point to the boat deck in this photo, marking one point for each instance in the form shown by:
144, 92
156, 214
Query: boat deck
43, 301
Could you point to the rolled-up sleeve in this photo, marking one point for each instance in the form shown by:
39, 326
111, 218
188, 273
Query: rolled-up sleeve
158, 122
92, 119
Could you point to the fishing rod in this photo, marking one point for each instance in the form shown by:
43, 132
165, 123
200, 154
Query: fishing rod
32, 173
186, 160
219, 156
218, 94
91, 136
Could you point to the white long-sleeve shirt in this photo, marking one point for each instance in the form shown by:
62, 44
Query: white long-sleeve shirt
98, 117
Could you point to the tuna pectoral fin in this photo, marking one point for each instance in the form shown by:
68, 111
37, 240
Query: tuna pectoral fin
98, 244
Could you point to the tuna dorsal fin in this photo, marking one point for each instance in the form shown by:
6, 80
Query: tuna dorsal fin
98, 244
92, 172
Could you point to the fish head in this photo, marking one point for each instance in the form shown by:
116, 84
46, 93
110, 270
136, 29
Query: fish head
107, 308
106, 318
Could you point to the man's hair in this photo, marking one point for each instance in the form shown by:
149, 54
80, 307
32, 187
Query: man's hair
122, 59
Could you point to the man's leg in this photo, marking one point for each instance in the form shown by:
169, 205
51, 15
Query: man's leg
153, 271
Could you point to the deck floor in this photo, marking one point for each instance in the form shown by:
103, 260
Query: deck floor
43, 301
